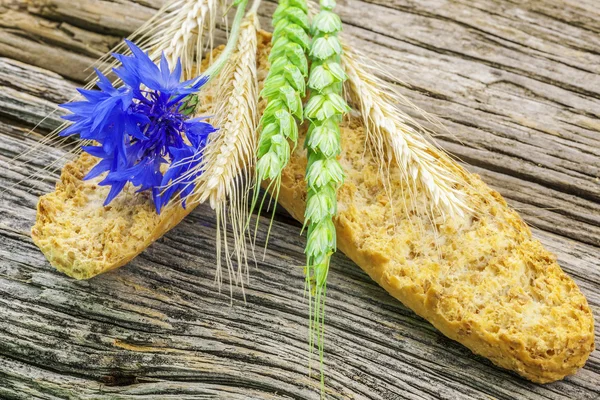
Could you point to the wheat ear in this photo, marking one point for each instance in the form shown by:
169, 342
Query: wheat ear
394, 135
324, 109
229, 157
284, 88
192, 20
182, 29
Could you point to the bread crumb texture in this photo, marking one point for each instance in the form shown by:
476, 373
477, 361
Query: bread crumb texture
481, 280
80, 236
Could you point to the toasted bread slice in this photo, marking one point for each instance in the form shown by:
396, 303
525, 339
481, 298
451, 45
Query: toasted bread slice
481, 280
83, 238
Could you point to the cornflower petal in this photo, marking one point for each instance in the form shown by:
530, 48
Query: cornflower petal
197, 132
165, 75
115, 189
143, 66
104, 83
177, 72
90, 95
100, 168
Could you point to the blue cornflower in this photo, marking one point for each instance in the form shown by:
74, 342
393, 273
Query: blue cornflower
140, 126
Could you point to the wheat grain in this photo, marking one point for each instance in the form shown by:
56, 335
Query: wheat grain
395, 136
324, 174
181, 29
229, 156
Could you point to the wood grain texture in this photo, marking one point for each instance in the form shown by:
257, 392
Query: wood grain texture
517, 84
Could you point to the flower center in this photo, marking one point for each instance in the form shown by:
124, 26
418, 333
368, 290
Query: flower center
165, 128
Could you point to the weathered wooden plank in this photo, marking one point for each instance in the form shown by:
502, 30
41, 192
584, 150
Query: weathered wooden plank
35, 41
72, 65
94, 15
57, 34
475, 96
69, 48
163, 311
516, 85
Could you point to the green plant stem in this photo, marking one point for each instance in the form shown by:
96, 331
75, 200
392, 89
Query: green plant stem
234, 34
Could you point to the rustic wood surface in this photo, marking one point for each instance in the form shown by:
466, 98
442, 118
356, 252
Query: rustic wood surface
516, 83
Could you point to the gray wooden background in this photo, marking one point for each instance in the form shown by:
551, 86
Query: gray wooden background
517, 84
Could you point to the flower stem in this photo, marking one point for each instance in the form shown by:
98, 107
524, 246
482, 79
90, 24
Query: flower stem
254, 8
216, 66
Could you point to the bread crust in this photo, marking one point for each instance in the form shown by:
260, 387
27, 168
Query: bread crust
82, 238
482, 280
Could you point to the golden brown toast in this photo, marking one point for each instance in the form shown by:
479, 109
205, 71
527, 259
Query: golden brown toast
481, 280
83, 238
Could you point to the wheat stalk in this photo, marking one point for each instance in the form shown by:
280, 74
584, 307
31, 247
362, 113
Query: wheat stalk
229, 156
324, 174
283, 89
395, 136
235, 116
181, 29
